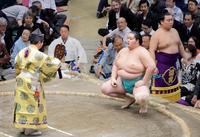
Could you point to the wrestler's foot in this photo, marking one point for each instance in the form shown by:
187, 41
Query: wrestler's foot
143, 109
129, 102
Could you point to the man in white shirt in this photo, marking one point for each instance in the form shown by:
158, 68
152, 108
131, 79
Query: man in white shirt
177, 12
121, 30
75, 54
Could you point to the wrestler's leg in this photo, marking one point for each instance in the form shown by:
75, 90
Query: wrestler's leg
142, 97
129, 102
117, 91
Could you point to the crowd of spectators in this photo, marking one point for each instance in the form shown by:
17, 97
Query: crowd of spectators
19, 18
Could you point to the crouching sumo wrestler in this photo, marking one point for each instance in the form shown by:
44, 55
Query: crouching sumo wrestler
131, 73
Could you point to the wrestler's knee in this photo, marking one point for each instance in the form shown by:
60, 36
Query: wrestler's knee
105, 88
141, 95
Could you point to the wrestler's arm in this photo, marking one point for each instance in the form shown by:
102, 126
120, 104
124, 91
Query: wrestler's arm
181, 49
114, 74
149, 65
153, 45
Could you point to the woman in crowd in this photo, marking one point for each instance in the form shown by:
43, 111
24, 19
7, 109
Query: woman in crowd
21, 43
189, 75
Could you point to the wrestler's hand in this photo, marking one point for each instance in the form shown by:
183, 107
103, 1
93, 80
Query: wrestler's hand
197, 104
114, 82
139, 83
156, 71
194, 100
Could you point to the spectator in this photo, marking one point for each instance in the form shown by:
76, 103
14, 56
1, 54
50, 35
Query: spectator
102, 9
14, 14
195, 42
146, 28
190, 28
46, 4
146, 14
27, 22
115, 13
105, 63
194, 10
176, 11
21, 43
4, 55
50, 18
190, 74
146, 41
196, 96
121, 30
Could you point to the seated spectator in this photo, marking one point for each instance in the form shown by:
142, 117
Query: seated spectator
146, 14
75, 55
50, 18
104, 65
46, 4
4, 55
103, 8
146, 28
21, 43
115, 13
190, 74
176, 11
27, 22
194, 10
146, 41
14, 15
196, 95
195, 42
121, 30
190, 28
4, 59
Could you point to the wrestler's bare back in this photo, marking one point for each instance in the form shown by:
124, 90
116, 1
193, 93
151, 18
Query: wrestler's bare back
129, 64
167, 41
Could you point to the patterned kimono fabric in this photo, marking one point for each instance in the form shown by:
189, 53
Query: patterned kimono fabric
165, 84
33, 68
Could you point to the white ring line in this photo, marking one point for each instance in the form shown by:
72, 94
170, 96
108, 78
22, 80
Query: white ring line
58, 130
4, 134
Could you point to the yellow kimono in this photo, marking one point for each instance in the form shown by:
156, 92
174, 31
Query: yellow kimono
33, 68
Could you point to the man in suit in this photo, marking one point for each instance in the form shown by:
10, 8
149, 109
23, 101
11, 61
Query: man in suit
190, 28
117, 11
